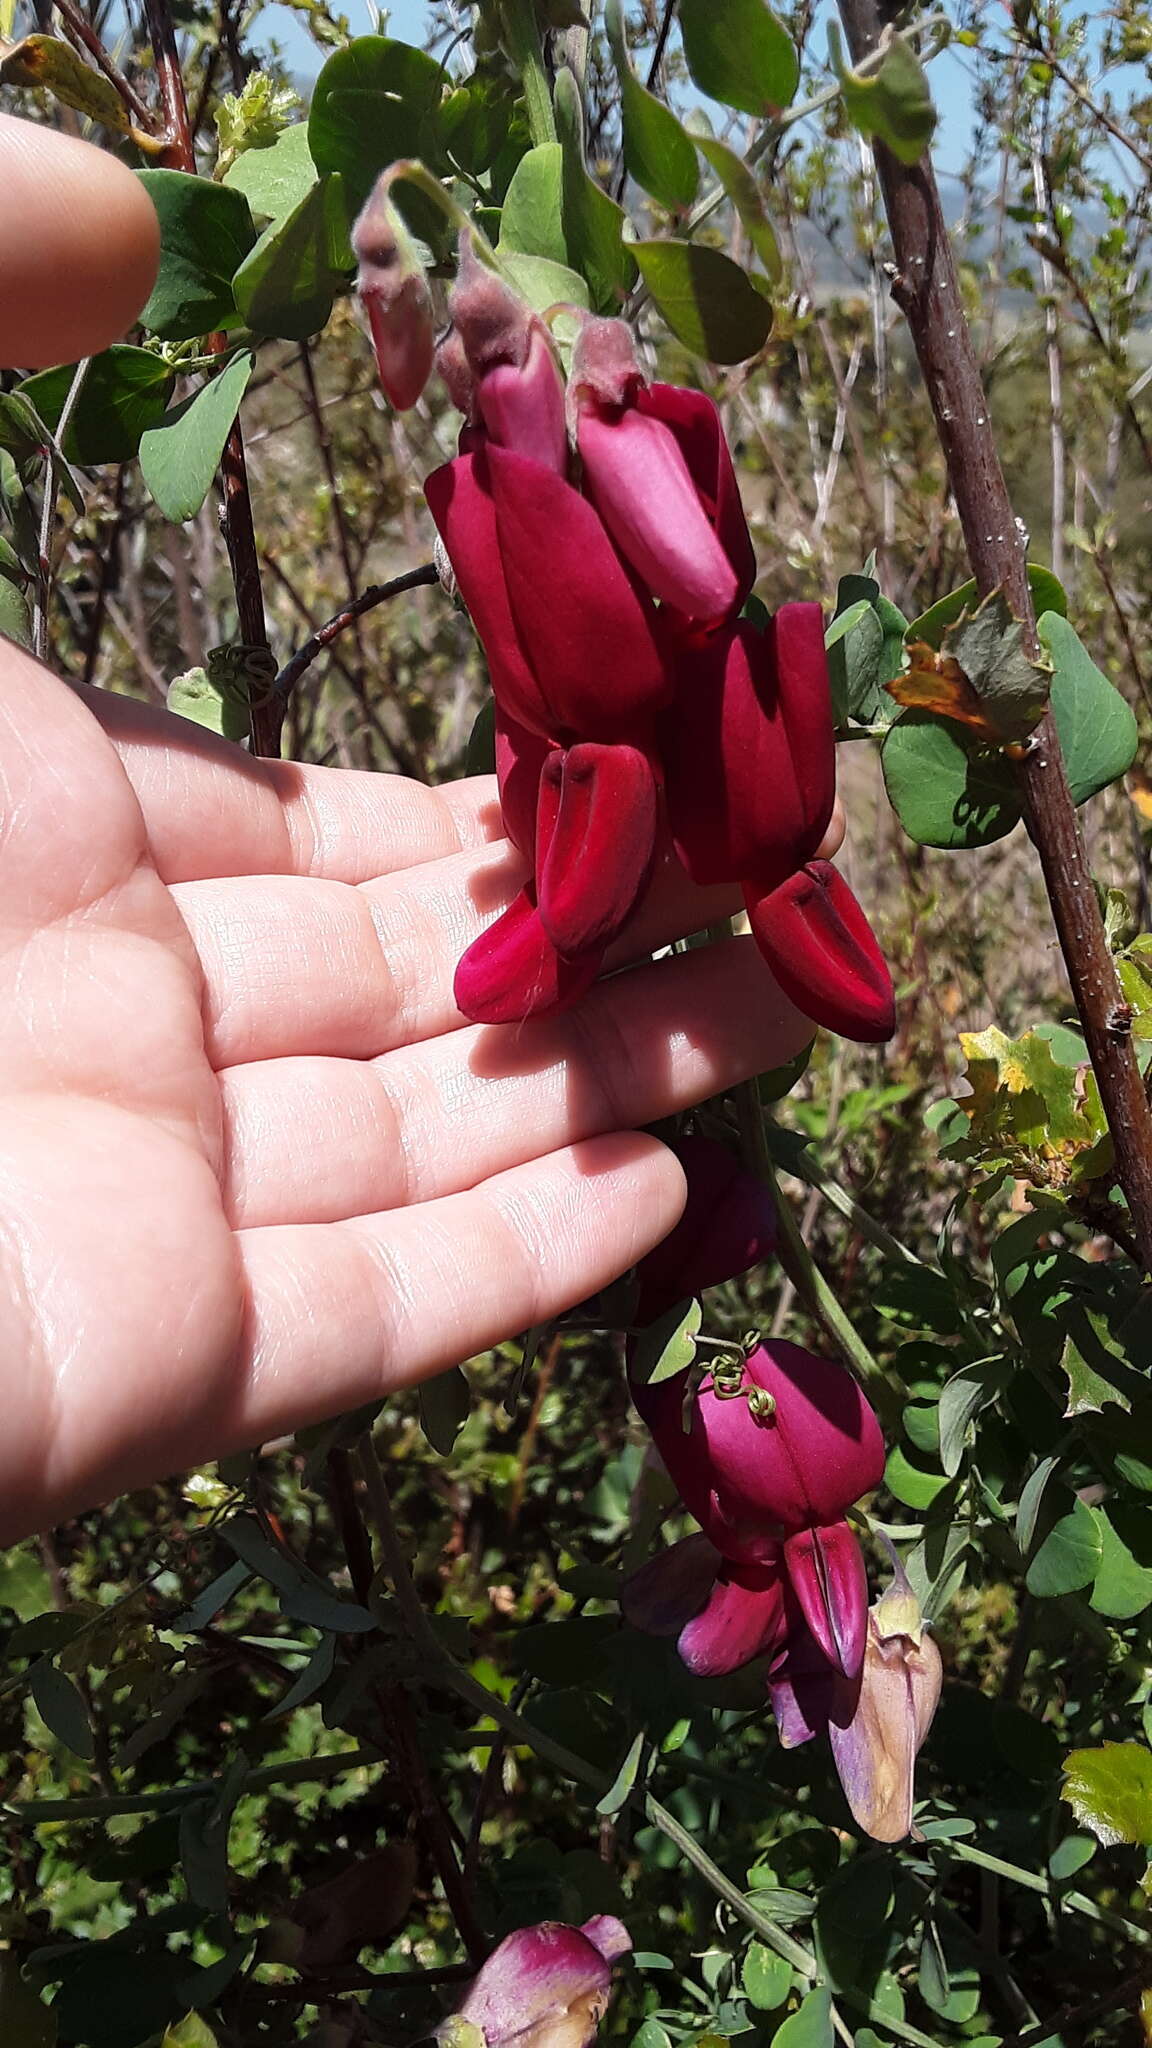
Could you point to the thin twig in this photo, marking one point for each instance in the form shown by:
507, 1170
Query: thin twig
376, 593
48, 511
141, 113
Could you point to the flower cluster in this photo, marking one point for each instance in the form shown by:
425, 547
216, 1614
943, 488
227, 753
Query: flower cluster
596, 535
768, 1452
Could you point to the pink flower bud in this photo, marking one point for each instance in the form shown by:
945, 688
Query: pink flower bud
749, 758
517, 389
746, 1617
639, 481
728, 1225
596, 842
823, 952
543, 1987
394, 292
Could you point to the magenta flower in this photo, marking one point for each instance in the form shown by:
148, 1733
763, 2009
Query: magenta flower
768, 1466
749, 759
544, 1987
520, 758
570, 640
595, 843
823, 952
728, 1226
513, 970
394, 293
662, 513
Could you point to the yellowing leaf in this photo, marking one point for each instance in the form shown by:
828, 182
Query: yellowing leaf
1110, 1791
51, 63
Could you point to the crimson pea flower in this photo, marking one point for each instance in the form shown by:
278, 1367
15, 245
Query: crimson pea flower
823, 951
546, 1986
513, 970
570, 638
749, 758
767, 1464
394, 293
728, 1226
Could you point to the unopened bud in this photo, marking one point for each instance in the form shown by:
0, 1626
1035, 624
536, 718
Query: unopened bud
395, 295
516, 388
605, 367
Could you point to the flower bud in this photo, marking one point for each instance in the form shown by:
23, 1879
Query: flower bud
637, 478
543, 1987
517, 389
394, 292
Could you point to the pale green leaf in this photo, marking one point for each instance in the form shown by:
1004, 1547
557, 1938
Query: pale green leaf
179, 458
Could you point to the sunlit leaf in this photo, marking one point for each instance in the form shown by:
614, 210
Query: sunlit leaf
593, 224
1110, 1791
180, 457
1097, 726
657, 152
891, 104
740, 54
206, 231
706, 299
667, 1346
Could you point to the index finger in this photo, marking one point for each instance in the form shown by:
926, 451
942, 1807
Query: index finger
79, 247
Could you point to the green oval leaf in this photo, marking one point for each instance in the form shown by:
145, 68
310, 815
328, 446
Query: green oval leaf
61, 1707
375, 101
1123, 1585
657, 152
1069, 1557
740, 54
286, 285
15, 617
946, 788
179, 458
124, 392
205, 233
1096, 725
811, 2026
744, 192
531, 218
1047, 596
766, 1977
445, 1405
275, 179
892, 104
593, 224
706, 299
910, 1483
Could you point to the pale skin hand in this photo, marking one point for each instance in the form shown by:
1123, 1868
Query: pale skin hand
254, 1167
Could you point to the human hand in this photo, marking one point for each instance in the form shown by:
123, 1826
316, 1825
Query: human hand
254, 1168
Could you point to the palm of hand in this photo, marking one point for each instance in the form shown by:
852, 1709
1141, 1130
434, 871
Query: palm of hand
253, 1167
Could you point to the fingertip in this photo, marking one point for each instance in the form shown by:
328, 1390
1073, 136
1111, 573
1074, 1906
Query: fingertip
79, 247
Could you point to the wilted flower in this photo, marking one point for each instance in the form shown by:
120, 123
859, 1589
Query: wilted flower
875, 1749
543, 1987
767, 1458
394, 292
728, 1226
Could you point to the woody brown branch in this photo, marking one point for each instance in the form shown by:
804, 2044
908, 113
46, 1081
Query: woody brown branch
926, 289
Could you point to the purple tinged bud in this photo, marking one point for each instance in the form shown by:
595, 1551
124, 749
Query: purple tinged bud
875, 1748
543, 1987
516, 387
394, 292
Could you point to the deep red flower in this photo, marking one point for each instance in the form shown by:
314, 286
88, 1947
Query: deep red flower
513, 971
595, 842
728, 1225
749, 758
823, 952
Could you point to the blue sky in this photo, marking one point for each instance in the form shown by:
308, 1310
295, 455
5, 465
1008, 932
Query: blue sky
407, 19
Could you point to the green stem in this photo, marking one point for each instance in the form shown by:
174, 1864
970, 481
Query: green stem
522, 39
806, 1273
301, 1771
805, 1168
1032, 1881
442, 1667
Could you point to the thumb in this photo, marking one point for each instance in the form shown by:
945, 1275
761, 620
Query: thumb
79, 247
